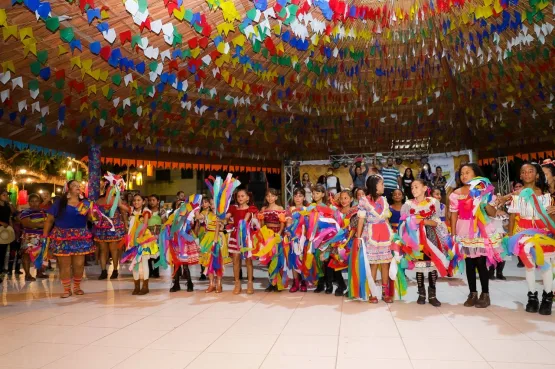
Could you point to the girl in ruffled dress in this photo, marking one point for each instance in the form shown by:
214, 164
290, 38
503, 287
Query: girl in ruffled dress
240, 215
296, 235
534, 233
272, 216
108, 235
374, 229
158, 217
432, 234
141, 245
476, 236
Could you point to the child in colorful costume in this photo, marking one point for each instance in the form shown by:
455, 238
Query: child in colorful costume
110, 230
532, 237
158, 217
32, 220
322, 232
373, 246
425, 237
269, 244
475, 237
200, 226
240, 245
213, 245
178, 243
141, 245
295, 238
347, 220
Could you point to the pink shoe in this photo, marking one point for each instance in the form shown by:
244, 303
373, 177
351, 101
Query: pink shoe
303, 286
295, 287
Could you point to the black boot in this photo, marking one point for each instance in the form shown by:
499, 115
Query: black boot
154, 272
533, 304
176, 287
491, 273
329, 280
547, 303
432, 299
187, 274
241, 274
499, 271
270, 288
103, 275
202, 276
520, 263
421, 296
341, 286
421, 289
321, 285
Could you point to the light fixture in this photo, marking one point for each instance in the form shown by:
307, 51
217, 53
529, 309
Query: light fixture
23, 171
58, 189
14, 181
83, 182
141, 166
28, 180
40, 191
1, 180
73, 169
64, 171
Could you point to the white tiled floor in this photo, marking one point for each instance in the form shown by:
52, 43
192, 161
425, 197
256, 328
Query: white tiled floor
109, 328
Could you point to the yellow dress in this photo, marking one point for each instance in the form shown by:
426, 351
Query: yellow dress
208, 238
146, 244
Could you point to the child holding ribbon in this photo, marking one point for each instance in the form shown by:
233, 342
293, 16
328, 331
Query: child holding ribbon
108, 235
373, 245
475, 236
213, 244
272, 216
240, 243
141, 245
532, 236
177, 241
295, 232
431, 233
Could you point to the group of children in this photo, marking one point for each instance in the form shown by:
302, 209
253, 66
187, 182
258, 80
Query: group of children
309, 245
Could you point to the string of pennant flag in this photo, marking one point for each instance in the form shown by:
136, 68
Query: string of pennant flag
285, 78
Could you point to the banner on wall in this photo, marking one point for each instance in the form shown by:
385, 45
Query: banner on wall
450, 163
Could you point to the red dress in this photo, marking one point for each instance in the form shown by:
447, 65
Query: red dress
236, 216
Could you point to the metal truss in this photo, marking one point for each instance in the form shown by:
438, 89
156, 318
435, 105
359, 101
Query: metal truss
503, 180
289, 181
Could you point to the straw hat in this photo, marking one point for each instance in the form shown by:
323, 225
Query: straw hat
7, 235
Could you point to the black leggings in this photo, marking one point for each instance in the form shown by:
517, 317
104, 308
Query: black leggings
471, 265
3, 249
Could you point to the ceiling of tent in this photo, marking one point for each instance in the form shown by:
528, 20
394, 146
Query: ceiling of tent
268, 79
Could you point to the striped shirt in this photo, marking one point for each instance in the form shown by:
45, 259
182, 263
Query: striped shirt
390, 175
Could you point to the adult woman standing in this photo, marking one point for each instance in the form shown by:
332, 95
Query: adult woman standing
307, 186
407, 180
70, 239
32, 220
5, 221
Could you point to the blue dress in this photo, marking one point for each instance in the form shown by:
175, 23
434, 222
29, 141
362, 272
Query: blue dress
395, 218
